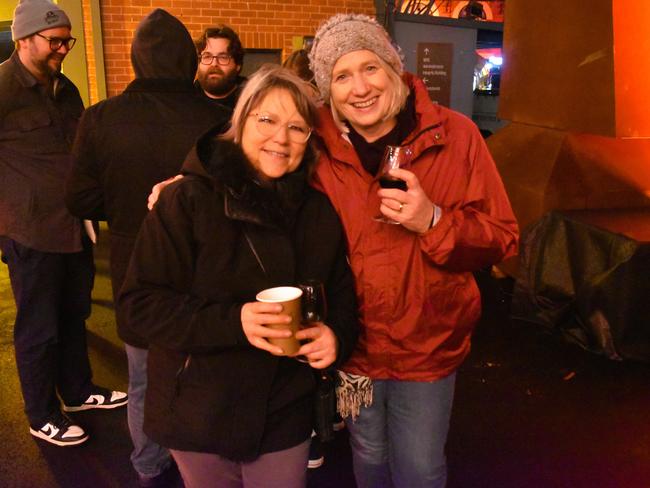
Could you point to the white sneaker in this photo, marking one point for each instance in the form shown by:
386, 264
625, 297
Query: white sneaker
60, 430
100, 398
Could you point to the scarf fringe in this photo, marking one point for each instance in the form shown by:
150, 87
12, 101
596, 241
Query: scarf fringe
352, 392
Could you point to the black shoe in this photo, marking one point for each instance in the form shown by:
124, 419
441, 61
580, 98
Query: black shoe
100, 398
316, 458
60, 430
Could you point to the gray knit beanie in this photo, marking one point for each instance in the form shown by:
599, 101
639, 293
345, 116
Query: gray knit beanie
344, 33
32, 16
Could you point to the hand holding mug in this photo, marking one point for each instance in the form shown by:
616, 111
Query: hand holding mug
255, 316
285, 299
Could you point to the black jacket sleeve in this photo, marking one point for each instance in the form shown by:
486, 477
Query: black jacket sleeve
158, 298
84, 194
342, 305
322, 254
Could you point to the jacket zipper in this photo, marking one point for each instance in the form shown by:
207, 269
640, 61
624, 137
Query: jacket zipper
179, 374
257, 257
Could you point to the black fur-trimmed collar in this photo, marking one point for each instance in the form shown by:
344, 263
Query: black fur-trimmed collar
246, 198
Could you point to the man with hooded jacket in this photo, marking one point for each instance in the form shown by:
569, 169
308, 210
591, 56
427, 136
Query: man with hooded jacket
124, 146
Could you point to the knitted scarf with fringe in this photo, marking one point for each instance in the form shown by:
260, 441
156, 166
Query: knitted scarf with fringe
352, 392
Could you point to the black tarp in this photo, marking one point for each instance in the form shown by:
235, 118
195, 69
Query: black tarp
591, 284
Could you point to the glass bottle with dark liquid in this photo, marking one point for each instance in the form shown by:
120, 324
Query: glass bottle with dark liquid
313, 305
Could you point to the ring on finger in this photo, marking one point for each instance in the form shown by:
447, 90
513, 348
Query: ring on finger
401, 206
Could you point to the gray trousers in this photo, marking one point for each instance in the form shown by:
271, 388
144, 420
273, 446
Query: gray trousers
280, 469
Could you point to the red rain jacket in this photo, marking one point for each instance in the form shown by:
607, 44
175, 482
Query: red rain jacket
417, 296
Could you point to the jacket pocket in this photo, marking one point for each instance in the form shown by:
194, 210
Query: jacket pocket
33, 131
27, 119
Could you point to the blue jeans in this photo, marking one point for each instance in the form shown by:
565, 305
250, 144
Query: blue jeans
148, 458
399, 441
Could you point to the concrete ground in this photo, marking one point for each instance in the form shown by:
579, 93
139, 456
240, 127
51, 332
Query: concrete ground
530, 411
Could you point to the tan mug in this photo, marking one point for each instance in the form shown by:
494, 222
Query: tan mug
289, 297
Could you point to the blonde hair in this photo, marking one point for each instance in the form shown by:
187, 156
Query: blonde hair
399, 92
266, 79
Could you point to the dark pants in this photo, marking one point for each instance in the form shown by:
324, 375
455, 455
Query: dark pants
279, 469
52, 293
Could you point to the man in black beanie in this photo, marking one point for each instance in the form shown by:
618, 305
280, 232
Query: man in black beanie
47, 251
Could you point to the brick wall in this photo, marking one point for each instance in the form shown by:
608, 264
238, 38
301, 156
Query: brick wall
262, 24
90, 52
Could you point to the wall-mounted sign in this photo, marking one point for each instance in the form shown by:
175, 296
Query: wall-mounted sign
434, 68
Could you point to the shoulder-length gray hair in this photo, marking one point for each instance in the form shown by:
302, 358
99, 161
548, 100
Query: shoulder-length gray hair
267, 78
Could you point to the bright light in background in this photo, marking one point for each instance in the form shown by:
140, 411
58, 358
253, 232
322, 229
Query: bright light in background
487, 70
489, 52
495, 60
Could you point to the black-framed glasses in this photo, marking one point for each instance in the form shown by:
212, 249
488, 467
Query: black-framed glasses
223, 59
269, 125
57, 42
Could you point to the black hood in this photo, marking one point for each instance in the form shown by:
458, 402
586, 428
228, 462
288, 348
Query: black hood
162, 48
245, 197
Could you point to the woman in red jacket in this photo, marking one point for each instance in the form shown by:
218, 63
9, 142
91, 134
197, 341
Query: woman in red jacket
418, 299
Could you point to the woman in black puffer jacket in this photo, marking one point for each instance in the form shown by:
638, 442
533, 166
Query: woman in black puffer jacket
226, 402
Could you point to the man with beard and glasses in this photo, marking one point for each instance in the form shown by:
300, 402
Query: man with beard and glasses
48, 253
221, 56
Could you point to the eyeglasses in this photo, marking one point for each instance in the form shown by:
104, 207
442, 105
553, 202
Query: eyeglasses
269, 125
223, 59
57, 42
